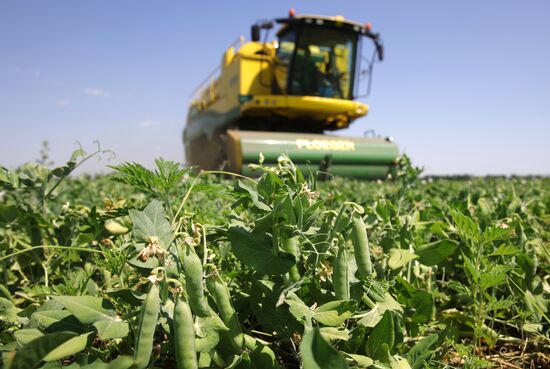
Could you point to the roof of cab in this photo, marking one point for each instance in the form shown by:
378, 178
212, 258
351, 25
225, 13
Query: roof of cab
325, 21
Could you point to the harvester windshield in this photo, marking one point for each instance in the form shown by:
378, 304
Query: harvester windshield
315, 61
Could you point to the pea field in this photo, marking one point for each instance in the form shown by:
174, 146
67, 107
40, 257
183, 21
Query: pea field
171, 268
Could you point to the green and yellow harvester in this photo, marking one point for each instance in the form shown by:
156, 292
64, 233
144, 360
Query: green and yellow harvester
279, 97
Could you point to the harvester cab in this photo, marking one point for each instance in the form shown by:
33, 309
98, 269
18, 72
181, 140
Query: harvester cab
280, 96
317, 56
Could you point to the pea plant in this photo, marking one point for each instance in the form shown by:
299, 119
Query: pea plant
167, 268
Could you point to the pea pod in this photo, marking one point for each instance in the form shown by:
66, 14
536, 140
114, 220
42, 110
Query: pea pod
291, 246
147, 325
220, 294
192, 268
184, 336
340, 277
361, 246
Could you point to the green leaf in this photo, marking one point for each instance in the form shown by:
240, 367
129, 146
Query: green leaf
111, 329
422, 351
536, 304
4, 292
528, 263
257, 200
496, 304
55, 320
256, 251
504, 250
532, 327
151, 222
268, 184
287, 209
382, 333
495, 233
400, 257
492, 278
68, 348
208, 342
434, 253
319, 354
64, 170
167, 175
466, 227
298, 309
207, 330
399, 363
355, 341
261, 355
469, 267
421, 302
24, 336
373, 317
87, 309
335, 313
361, 360
34, 352
212, 322
332, 333
78, 153
8, 311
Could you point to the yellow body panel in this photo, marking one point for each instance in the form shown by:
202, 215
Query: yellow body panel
255, 61
337, 112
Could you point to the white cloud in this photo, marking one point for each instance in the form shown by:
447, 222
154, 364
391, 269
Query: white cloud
147, 123
62, 103
96, 92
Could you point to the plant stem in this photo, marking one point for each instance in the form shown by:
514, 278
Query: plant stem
74, 248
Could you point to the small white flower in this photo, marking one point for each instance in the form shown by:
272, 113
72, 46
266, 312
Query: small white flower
503, 225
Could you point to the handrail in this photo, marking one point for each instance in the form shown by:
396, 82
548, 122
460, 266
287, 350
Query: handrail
209, 77
239, 40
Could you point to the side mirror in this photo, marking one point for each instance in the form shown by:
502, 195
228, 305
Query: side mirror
255, 32
380, 51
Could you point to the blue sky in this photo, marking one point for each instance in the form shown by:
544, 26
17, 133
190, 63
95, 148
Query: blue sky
465, 87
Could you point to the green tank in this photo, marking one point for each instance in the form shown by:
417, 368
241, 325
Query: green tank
365, 158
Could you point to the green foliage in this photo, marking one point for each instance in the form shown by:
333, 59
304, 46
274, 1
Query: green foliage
165, 177
318, 353
257, 252
484, 273
451, 268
